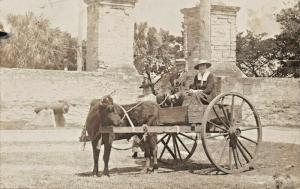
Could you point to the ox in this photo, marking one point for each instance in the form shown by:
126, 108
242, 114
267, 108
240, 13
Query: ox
104, 112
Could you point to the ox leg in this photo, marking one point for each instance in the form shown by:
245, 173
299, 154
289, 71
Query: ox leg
147, 156
96, 157
154, 152
152, 143
107, 149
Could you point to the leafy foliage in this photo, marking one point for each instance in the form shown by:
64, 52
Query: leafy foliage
155, 50
33, 44
288, 41
255, 55
260, 57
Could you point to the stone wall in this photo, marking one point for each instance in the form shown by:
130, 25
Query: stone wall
22, 90
276, 99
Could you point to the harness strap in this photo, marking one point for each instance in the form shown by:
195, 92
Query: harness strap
135, 106
127, 116
164, 100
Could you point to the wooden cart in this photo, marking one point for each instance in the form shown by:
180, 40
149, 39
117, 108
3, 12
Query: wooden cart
229, 127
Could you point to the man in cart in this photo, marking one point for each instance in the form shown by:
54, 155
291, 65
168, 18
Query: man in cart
177, 80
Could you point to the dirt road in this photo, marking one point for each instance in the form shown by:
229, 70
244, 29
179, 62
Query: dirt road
54, 159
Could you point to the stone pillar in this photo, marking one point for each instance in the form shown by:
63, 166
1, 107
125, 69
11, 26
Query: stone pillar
223, 40
222, 35
204, 33
110, 35
110, 39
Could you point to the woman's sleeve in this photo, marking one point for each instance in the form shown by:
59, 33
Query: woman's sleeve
193, 85
210, 84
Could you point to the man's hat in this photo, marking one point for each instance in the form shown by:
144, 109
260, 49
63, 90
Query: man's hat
201, 62
179, 62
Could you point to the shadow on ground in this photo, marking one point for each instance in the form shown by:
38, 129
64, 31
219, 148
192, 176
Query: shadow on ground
119, 171
167, 166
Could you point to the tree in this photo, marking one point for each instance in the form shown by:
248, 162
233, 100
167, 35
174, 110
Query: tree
260, 57
33, 44
154, 51
255, 55
288, 41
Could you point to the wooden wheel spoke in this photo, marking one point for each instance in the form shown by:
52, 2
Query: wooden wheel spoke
168, 148
183, 145
176, 151
242, 152
224, 113
228, 117
162, 138
235, 157
223, 150
250, 140
176, 144
252, 128
232, 110
238, 157
218, 126
239, 112
165, 146
230, 157
191, 138
241, 144
219, 118
214, 136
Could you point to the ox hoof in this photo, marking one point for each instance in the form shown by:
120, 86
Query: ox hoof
155, 169
106, 173
147, 170
95, 172
155, 166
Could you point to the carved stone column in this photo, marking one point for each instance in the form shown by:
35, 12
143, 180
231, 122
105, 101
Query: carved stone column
211, 37
110, 40
110, 35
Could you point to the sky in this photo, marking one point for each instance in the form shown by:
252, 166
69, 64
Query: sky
255, 15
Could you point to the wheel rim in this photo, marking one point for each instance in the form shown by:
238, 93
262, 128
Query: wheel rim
231, 133
175, 146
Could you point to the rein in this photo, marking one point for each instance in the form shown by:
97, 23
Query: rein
127, 111
131, 124
164, 100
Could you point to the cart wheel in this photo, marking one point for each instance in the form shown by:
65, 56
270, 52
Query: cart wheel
179, 146
231, 133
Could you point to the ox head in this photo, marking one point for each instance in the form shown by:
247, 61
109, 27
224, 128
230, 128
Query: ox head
107, 109
106, 104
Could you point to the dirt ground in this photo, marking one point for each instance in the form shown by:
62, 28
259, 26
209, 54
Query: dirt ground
59, 162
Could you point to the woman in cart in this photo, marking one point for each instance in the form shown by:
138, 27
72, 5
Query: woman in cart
203, 86
204, 82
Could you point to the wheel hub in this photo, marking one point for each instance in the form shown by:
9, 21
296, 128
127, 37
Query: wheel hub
238, 132
234, 132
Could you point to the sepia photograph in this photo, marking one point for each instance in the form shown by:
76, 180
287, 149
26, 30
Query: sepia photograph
149, 94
